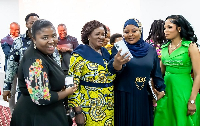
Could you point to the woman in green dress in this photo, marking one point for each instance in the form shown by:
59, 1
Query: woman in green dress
180, 55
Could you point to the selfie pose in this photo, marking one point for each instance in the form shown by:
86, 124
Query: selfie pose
133, 96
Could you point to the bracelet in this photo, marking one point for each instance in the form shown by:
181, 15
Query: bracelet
78, 112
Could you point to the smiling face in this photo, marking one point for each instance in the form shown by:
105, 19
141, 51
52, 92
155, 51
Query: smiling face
62, 31
14, 29
131, 34
46, 40
171, 30
97, 37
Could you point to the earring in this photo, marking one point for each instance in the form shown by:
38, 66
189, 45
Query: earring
34, 46
88, 39
179, 31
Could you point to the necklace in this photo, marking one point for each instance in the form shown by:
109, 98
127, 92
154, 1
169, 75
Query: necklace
176, 45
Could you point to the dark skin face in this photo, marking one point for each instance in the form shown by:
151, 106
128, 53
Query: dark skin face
171, 30
31, 21
46, 40
132, 34
96, 38
62, 31
14, 30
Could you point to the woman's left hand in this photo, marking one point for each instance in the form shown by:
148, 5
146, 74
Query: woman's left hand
191, 108
159, 94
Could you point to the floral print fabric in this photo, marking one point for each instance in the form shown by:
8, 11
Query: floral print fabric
37, 83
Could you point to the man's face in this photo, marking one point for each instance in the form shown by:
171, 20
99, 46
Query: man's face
14, 30
62, 31
31, 21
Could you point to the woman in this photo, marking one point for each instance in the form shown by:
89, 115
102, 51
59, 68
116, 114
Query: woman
133, 104
94, 73
41, 82
180, 55
156, 35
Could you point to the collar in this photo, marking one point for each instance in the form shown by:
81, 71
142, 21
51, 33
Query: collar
90, 54
184, 42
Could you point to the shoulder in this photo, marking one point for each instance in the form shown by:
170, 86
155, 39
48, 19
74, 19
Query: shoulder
73, 39
165, 45
17, 40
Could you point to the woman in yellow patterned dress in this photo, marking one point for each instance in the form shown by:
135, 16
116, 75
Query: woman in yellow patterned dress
93, 73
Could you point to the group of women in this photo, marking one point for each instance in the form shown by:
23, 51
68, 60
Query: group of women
112, 89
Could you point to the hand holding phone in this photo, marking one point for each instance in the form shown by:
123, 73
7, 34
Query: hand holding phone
120, 45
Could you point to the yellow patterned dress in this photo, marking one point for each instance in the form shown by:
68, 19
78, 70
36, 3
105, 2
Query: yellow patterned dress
95, 90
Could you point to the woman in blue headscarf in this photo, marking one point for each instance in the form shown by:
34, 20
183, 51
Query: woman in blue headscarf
133, 93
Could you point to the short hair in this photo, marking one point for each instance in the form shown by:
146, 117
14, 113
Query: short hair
156, 32
29, 15
187, 31
39, 25
14, 23
61, 25
114, 36
88, 28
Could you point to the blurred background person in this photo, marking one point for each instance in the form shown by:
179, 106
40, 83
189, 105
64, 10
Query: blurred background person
66, 44
41, 82
114, 38
107, 38
6, 44
156, 38
156, 35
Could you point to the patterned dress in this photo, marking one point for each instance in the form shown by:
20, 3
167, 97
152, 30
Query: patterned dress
94, 75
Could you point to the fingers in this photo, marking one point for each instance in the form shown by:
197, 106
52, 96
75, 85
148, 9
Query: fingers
5, 98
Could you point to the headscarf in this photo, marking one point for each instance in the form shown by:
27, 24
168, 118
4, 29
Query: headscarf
140, 48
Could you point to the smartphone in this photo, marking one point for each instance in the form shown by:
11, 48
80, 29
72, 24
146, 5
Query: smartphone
120, 45
69, 81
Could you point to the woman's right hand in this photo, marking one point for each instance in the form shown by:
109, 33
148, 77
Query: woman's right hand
120, 60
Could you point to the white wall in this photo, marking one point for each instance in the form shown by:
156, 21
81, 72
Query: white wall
75, 13
113, 13
160, 9
9, 12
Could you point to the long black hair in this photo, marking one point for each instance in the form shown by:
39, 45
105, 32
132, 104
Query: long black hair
156, 32
187, 31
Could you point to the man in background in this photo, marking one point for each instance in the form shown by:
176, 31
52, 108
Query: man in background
66, 44
6, 44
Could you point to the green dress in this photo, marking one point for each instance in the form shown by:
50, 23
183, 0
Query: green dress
172, 108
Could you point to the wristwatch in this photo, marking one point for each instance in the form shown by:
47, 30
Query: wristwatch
192, 101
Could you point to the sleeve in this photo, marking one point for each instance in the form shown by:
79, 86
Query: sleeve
157, 75
75, 43
111, 69
6, 49
75, 69
36, 75
12, 64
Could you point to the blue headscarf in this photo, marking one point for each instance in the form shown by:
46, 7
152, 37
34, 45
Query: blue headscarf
140, 48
